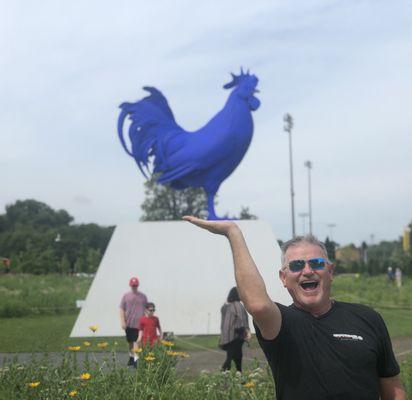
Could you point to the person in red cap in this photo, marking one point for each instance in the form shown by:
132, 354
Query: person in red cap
132, 308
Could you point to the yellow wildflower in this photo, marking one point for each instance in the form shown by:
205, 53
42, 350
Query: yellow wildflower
249, 384
180, 354
85, 376
33, 384
73, 393
86, 344
172, 353
102, 345
149, 358
74, 348
167, 343
93, 328
137, 350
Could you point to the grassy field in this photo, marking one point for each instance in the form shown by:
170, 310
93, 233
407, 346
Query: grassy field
46, 304
38, 314
395, 305
25, 295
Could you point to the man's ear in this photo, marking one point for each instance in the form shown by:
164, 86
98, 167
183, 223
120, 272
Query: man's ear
331, 269
282, 276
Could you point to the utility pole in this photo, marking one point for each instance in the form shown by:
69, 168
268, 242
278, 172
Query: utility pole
288, 128
308, 165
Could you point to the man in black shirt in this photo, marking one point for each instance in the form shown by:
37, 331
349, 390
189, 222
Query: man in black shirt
317, 348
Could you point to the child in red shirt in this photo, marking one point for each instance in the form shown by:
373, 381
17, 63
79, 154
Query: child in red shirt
149, 327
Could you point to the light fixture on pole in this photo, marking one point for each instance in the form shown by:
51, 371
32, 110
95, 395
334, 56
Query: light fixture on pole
331, 226
288, 128
303, 215
308, 164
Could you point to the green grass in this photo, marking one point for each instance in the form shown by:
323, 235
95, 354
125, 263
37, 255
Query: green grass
395, 305
373, 291
155, 378
24, 295
50, 333
35, 334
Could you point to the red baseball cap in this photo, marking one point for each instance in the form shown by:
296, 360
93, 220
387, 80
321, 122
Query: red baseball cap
134, 281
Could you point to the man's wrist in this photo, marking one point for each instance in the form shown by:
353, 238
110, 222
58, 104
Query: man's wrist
233, 232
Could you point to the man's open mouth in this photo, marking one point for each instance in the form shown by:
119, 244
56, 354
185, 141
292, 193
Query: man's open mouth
309, 285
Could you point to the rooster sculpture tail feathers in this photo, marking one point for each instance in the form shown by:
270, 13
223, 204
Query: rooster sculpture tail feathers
150, 118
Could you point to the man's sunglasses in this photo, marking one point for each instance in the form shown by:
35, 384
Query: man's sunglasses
315, 264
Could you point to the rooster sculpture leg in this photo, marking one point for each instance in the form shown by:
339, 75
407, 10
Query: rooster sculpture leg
211, 215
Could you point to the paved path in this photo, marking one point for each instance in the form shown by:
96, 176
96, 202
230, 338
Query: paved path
204, 359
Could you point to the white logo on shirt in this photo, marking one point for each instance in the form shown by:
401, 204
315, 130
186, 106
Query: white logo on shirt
346, 336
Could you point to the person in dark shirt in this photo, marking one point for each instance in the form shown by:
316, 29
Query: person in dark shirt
234, 329
317, 348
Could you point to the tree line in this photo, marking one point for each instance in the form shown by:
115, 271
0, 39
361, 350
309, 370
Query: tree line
39, 240
370, 259
35, 238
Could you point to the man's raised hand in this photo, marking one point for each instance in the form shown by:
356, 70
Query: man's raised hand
224, 227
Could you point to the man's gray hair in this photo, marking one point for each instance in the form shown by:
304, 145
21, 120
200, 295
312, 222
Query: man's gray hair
310, 239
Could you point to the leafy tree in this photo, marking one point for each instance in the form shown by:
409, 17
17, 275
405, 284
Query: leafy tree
163, 203
36, 214
246, 214
28, 233
331, 248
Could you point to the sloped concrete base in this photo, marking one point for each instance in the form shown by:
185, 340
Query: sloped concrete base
187, 272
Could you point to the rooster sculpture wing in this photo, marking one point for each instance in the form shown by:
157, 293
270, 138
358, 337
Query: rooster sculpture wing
204, 158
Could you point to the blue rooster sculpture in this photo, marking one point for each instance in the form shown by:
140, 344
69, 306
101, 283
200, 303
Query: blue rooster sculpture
204, 158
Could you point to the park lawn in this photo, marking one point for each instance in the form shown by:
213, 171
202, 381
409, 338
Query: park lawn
399, 322
50, 333
23, 295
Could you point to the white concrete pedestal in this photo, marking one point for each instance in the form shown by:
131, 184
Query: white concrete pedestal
186, 271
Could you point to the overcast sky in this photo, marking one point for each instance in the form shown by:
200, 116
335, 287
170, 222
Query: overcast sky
341, 68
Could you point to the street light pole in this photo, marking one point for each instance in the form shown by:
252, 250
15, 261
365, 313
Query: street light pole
303, 215
331, 226
288, 128
308, 164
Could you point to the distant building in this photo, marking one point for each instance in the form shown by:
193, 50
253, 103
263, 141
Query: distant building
348, 253
406, 242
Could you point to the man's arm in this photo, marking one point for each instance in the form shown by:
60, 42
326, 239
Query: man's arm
159, 329
122, 319
139, 338
250, 284
392, 388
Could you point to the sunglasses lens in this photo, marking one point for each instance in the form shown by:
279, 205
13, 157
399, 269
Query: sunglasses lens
296, 265
317, 263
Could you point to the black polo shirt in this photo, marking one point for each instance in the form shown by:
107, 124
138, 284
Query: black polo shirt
339, 355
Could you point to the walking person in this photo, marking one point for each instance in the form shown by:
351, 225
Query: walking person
149, 327
390, 275
398, 277
317, 348
132, 308
234, 330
